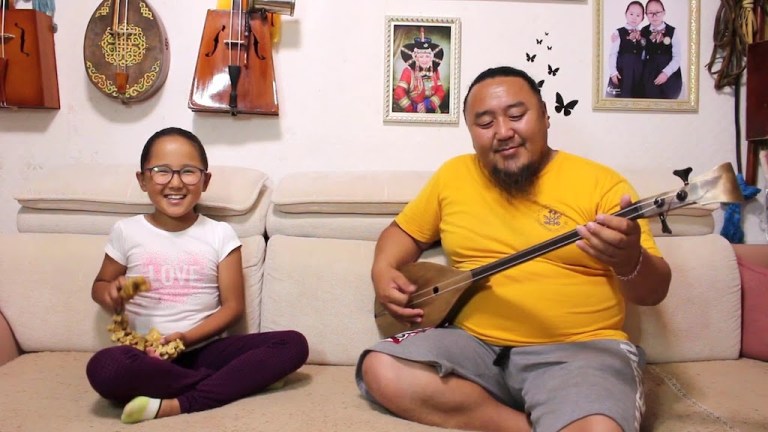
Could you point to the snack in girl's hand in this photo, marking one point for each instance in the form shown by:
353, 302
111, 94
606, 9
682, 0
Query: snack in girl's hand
122, 333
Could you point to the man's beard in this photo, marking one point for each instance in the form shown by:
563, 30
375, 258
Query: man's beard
521, 182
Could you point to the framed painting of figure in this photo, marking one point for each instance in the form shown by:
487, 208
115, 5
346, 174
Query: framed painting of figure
421, 78
646, 55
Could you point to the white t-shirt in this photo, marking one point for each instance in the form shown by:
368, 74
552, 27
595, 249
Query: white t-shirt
182, 269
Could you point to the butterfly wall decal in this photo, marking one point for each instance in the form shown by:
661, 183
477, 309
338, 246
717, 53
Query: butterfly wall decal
539, 41
561, 106
552, 71
546, 33
529, 57
540, 84
549, 47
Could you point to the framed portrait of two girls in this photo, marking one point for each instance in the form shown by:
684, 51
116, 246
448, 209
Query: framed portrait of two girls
646, 55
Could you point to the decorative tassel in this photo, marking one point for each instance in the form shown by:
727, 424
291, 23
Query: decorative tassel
274, 29
732, 230
46, 6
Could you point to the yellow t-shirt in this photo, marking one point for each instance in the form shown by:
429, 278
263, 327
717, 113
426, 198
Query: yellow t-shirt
561, 296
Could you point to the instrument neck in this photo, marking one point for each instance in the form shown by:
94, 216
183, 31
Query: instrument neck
635, 211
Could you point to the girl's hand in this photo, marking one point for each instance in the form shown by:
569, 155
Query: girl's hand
108, 296
152, 353
661, 79
616, 78
172, 337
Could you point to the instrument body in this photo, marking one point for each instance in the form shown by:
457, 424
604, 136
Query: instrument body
235, 42
126, 51
443, 290
28, 75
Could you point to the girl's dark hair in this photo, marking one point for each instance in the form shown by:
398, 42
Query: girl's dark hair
502, 71
174, 131
642, 8
655, 1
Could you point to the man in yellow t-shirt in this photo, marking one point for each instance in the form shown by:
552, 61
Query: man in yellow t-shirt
538, 346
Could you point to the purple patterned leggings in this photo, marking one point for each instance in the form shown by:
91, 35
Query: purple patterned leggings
216, 374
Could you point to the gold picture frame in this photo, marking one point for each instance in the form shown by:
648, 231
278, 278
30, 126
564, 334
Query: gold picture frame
610, 16
421, 73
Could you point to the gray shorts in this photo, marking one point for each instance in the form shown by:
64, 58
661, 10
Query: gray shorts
554, 384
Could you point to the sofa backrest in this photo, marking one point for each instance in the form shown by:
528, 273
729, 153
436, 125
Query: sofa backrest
323, 227
59, 200
63, 223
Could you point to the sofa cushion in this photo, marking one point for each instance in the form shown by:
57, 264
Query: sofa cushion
701, 317
359, 205
233, 190
356, 192
49, 392
49, 308
33, 220
337, 319
754, 285
707, 396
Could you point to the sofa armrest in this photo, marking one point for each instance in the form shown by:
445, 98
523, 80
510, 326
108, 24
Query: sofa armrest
756, 254
9, 348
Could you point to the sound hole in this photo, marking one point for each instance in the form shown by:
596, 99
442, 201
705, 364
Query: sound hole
435, 290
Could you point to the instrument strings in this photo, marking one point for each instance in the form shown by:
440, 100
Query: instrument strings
121, 37
2, 29
236, 8
458, 281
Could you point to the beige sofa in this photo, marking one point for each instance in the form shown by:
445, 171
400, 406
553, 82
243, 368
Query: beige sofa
312, 275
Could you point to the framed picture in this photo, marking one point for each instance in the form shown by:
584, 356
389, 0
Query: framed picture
646, 55
421, 78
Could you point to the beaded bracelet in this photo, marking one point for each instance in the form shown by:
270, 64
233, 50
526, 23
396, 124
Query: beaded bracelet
634, 273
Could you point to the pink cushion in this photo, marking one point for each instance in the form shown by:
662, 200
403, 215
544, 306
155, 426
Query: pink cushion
754, 334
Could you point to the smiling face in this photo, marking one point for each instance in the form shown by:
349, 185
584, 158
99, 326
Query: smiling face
423, 57
655, 12
634, 14
508, 124
175, 201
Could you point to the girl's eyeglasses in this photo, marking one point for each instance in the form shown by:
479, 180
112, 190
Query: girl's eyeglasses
163, 175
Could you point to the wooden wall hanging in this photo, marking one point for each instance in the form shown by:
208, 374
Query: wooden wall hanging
126, 50
234, 71
28, 77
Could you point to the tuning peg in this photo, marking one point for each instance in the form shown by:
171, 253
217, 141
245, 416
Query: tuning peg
664, 225
683, 174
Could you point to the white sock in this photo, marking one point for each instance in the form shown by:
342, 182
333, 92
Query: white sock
139, 409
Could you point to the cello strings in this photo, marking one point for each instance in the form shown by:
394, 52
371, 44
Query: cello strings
2, 30
239, 30
231, 23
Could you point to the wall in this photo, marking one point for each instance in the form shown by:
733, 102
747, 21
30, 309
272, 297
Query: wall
330, 82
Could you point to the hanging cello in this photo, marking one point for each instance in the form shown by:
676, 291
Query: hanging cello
235, 72
28, 77
126, 50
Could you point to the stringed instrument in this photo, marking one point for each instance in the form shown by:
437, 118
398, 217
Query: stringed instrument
235, 72
443, 290
126, 51
28, 77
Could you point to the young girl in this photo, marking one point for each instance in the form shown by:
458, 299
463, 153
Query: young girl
626, 55
194, 268
661, 72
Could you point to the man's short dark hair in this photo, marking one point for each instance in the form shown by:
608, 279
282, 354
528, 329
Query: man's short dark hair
502, 71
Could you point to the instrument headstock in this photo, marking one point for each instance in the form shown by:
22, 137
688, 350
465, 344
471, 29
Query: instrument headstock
719, 185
